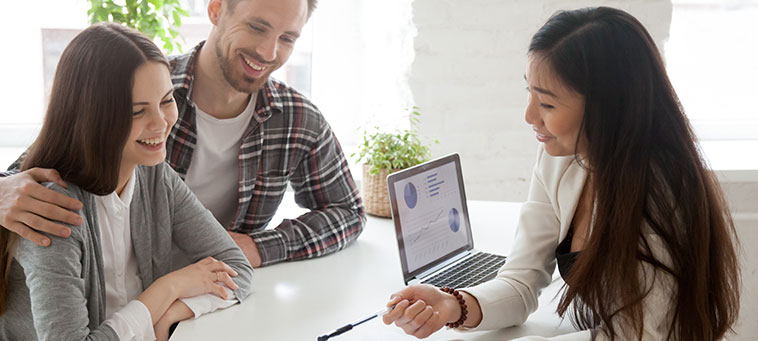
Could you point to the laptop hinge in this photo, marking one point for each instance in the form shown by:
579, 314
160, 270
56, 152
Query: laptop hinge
444, 264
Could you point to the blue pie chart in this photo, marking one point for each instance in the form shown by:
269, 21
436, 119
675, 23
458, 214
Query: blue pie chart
411, 196
454, 219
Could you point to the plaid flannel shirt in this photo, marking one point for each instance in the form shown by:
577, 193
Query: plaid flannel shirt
288, 141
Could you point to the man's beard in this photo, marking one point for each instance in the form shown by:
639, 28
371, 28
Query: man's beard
243, 84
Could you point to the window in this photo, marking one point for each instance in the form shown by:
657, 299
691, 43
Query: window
712, 60
352, 60
37, 42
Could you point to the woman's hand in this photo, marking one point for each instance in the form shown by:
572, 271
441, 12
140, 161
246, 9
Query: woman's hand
201, 278
178, 311
193, 280
421, 310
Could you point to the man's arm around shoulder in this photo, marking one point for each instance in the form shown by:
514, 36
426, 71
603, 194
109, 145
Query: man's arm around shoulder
27, 207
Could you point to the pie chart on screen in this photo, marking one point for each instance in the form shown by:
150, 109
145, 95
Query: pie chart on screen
454, 219
411, 195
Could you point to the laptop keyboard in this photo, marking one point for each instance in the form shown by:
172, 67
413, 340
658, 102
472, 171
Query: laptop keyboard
476, 269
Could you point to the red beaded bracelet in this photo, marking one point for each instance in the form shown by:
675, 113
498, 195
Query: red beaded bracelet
461, 302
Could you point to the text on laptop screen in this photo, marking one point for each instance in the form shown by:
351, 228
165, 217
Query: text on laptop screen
431, 215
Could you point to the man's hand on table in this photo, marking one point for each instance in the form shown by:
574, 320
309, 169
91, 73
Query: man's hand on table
248, 247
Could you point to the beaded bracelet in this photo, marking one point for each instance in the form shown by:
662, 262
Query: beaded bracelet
461, 302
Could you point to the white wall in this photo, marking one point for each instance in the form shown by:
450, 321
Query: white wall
467, 78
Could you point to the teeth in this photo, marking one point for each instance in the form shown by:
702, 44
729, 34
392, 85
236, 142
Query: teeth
253, 65
154, 141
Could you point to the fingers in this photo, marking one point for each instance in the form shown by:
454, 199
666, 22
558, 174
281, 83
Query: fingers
420, 320
31, 207
47, 175
40, 224
224, 277
58, 200
433, 324
28, 234
394, 299
410, 313
219, 266
220, 272
207, 276
397, 312
220, 291
40, 215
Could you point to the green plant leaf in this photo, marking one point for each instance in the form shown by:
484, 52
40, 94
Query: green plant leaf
177, 19
384, 150
157, 19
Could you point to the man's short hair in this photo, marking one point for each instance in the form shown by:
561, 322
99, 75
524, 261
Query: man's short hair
311, 5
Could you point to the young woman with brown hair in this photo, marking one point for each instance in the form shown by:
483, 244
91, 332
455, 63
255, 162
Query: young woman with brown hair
110, 111
620, 199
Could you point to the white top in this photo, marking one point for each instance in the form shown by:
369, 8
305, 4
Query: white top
128, 317
213, 174
544, 222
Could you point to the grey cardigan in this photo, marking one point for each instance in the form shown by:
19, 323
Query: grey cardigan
58, 292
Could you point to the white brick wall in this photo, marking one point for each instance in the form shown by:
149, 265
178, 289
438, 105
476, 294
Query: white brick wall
467, 78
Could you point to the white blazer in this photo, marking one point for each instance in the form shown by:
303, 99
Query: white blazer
544, 221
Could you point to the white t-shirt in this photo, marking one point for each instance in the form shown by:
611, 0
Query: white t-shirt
213, 174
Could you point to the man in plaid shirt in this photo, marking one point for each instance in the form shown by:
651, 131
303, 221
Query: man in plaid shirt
231, 113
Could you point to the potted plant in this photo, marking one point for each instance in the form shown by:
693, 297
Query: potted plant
155, 18
383, 153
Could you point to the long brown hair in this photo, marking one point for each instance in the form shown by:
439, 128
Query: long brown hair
645, 170
89, 115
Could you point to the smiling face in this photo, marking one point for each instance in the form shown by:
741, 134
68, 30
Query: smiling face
553, 110
255, 38
154, 114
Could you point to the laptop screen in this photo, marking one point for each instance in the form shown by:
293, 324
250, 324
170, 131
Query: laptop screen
430, 213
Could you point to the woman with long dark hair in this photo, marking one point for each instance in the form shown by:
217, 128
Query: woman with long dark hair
111, 108
620, 199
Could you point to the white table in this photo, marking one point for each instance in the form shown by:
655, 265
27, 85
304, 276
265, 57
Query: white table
303, 300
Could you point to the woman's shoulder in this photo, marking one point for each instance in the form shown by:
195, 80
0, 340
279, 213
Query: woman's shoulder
558, 170
71, 190
86, 212
78, 234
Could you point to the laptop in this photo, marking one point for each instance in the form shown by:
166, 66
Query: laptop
432, 226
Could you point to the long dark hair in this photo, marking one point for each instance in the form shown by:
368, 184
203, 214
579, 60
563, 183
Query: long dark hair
645, 170
89, 115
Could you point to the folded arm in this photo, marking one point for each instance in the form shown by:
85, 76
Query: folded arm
197, 233
322, 183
